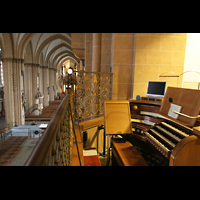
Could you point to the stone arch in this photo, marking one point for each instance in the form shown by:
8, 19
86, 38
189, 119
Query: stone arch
28, 56
63, 54
50, 39
8, 46
2, 46
23, 43
63, 59
54, 49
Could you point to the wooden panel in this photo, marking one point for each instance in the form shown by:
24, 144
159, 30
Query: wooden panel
91, 161
75, 158
187, 98
117, 118
92, 123
128, 155
186, 152
52, 107
47, 114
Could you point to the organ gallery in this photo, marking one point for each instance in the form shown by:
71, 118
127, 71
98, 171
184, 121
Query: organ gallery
99, 99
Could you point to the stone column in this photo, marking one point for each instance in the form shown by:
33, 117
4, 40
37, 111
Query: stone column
96, 67
96, 52
41, 100
21, 90
35, 73
123, 57
15, 90
88, 51
41, 80
58, 79
28, 85
18, 86
55, 82
8, 92
51, 84
45, 72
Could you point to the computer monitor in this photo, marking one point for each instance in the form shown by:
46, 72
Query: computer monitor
156, 89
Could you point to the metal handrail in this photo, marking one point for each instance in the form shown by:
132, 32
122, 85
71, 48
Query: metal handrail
42, 150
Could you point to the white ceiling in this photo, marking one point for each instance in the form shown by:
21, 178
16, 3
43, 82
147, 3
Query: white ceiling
47, 49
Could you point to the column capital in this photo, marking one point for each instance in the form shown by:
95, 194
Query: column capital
6, 59
52, 68
32, 64
44, 67
14, 60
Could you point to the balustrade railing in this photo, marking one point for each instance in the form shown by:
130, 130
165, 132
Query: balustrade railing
55, 146
91, 89
84, 100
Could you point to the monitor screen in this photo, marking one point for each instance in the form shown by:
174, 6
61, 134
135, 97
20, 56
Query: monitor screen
156, 88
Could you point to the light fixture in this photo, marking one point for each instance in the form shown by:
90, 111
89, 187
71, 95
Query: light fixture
169, 74
172, 74
69, 71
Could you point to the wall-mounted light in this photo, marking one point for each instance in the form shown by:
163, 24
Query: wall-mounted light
172, 74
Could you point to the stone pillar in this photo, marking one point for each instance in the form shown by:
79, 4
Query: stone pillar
8, 92
40, 84
58, 79
123, 62
88, 52
41, 80
28, 72
51, 84
13, 89
106, 44
21, 90
55, 82
18, 87
46, 91
35, 84
96, 52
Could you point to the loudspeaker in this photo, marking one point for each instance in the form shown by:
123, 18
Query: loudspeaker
137, 97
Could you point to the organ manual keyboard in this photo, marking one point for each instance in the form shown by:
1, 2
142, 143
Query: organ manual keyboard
161, 139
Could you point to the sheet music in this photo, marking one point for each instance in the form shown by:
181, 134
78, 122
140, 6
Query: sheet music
176, 108
143, 121
90, 152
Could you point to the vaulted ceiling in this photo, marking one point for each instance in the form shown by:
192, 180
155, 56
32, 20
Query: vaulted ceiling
46, 49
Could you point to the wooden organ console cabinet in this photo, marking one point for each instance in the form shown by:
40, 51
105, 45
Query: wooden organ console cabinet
161, 139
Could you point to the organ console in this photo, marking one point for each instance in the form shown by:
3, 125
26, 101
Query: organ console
162, 140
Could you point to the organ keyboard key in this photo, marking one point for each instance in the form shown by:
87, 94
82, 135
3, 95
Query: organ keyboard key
163, 138
164, 150
168, 134
167, 142
175, 130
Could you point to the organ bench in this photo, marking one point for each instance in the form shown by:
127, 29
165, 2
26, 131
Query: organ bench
124, 154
